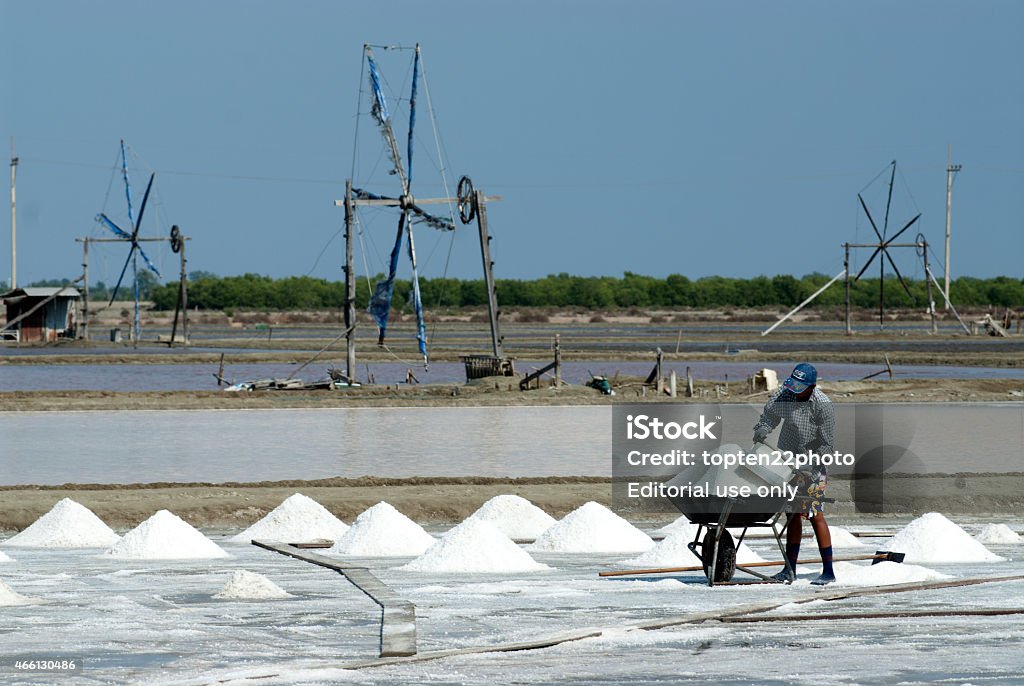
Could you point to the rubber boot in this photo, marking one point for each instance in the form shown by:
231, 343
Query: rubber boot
827, 575
792, 554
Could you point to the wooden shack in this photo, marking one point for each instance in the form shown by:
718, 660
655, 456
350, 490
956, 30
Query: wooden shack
41, 314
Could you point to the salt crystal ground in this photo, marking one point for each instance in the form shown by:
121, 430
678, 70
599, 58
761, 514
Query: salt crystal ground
146, 621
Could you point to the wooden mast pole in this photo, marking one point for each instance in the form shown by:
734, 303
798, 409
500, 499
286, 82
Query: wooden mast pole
485, 253
931, 299
350, 290
14, 220
846, 268
183, 284
85, 301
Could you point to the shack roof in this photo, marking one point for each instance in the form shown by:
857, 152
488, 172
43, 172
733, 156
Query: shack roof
41, 292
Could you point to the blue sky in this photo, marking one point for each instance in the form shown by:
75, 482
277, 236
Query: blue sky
653, 137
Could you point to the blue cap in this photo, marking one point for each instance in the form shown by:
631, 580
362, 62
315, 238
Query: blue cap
803, 377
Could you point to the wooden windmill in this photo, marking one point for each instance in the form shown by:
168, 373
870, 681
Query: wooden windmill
130, 235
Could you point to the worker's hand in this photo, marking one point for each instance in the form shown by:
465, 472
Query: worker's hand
760, 438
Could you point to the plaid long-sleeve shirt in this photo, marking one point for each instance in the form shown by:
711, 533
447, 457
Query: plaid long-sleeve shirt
809, 425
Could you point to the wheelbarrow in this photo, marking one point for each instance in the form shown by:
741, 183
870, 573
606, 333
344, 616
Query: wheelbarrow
713, 543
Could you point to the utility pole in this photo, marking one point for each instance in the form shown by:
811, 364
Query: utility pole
14, 220
951, 170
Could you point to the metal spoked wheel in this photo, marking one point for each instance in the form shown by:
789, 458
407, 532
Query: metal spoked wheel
467, 200
175, 239
726, 565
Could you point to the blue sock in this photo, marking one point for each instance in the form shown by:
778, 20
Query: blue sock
826, 561
793, 554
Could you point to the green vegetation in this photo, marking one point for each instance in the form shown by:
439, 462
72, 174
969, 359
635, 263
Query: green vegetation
252, 291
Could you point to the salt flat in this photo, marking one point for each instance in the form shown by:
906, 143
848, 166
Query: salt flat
157, 622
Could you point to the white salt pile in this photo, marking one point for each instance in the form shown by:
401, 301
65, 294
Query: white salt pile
883, 573
670, 552
5, 558
673, 552
475, 547
514, 516
933, 538
998, 534
67, 525
298, 518
165, 536
841, 538
383, 531
680, 524
245, 585
593, 528
9, 597
745, 555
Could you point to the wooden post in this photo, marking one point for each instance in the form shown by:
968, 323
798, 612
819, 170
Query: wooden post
14, 220
85, 289
672, 384
846, 268
931, 300
183, 283
220, 370
659, 382
485, 254
679, 339
558, 362
350, 291
689, 383
182, 304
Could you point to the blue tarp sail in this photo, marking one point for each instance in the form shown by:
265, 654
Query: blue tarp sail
380, 301
417, 303
380, 105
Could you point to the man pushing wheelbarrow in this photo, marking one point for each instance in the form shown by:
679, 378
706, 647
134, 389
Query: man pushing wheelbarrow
808, 424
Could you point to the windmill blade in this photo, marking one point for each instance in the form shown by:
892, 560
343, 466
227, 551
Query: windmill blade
867, 264
431, 220
905, 227
142, 208
870, 218
380, 302
380, 104
898, 275
888, 203
127, 186
149, 262
113, 295
417, 301
106, 221
367, 195
383, 117
412, 112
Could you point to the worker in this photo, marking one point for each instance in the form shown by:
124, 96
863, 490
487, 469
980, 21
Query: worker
808, 424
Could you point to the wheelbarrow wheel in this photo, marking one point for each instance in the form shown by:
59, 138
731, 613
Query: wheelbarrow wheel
726, 566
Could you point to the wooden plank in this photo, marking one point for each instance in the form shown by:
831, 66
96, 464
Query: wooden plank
318, 543
397, 617
739, 610
768, 563
895, 614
